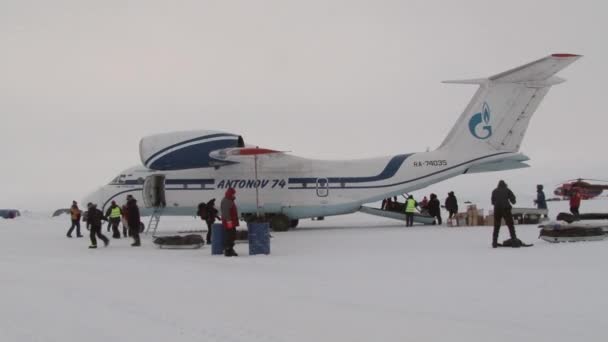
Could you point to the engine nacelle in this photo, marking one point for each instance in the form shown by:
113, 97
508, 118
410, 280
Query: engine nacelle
185, 150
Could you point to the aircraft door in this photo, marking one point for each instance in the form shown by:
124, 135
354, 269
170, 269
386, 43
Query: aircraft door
154, 191
322, 187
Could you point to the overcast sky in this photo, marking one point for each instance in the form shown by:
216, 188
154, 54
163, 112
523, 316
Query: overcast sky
82, 81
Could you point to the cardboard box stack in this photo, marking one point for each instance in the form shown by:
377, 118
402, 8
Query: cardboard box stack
489, 220
461, 218
474, 216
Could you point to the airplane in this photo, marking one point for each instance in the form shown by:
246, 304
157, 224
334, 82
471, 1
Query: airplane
182, 169
586, 189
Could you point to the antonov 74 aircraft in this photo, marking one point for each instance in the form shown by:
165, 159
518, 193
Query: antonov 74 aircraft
182, 169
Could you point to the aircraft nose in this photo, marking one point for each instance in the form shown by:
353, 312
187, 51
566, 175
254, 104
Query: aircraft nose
95, 197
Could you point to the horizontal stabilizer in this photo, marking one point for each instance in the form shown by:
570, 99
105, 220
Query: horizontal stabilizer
472, 81
538, 70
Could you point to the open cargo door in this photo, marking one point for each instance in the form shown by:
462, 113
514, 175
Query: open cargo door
154, 191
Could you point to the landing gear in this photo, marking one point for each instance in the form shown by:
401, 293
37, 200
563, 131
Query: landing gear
280, 223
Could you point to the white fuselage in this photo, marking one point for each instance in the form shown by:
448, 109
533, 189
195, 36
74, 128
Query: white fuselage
296, 187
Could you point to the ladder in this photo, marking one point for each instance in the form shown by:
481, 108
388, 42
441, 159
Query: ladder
154, 220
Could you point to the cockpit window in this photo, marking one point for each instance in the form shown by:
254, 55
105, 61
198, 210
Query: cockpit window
118, 180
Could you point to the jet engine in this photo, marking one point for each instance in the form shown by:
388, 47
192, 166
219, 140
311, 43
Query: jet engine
185, 150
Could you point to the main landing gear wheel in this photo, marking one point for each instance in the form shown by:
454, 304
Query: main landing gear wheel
280, 223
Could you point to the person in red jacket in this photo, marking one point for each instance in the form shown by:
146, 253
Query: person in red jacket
575, 202
230, 220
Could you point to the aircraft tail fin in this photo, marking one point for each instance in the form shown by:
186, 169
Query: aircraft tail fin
498, 115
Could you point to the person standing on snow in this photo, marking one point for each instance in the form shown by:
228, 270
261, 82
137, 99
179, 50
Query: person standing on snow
75, 216
451, 204
212, 214
424, 204
114, 214
94, 218
410, 209
575, 202
230, 220
434, 208
133, 220
123, 220
502, 198
541, 202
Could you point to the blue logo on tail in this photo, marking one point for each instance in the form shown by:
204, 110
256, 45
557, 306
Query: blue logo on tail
478, 119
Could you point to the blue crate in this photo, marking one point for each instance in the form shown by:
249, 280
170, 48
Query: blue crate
217, 239
259, 238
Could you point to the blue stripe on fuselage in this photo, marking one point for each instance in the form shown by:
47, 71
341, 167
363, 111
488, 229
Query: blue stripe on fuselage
389, 171
393, 184
174, 181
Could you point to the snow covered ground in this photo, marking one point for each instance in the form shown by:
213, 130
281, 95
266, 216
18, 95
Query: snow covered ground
349, 278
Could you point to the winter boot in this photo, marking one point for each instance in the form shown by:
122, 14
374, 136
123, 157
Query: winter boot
93, 246
512, 233
495, 237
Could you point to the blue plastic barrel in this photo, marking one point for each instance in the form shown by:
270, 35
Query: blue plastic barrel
217, 239
259, 238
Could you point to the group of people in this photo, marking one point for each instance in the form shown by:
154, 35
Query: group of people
575, 199
431, 207
502, 200
229, 218
128, 215
130, 218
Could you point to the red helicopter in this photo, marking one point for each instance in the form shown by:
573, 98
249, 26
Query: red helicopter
586, 189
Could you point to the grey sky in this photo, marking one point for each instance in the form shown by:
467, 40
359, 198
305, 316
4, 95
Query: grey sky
82, 81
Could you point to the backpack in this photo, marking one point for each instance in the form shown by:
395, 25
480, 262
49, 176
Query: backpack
202, 211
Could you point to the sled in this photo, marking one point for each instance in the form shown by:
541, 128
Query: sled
192, 241
556, 232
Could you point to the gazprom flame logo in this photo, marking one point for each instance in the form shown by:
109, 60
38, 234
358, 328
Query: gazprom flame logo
481, 119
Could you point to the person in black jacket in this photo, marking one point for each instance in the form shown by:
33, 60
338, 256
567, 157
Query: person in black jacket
434, 208
133, 220
502, 198
451, 204
211, 215
94, 217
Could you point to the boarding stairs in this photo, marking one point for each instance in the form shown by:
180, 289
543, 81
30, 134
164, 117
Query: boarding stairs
154, 220
418, 218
